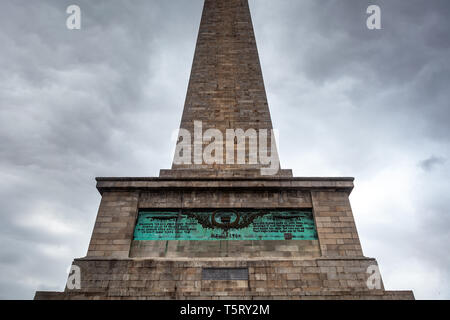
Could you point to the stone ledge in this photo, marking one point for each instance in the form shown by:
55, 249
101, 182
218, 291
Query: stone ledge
267, 178
220, 173
225, 259
151, 183
341, 295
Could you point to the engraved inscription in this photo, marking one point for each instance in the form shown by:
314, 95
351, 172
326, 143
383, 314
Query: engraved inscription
225, 224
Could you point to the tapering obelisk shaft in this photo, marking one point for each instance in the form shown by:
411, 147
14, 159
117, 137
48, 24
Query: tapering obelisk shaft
226, 87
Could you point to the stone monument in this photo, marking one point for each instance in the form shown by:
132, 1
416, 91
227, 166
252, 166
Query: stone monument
225, 222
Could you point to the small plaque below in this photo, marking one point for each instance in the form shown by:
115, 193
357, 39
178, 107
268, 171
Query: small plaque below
225, 274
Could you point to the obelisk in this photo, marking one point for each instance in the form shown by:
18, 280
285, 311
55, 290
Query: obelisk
226, 87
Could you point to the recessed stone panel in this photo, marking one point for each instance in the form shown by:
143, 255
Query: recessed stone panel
225, 274
245, 198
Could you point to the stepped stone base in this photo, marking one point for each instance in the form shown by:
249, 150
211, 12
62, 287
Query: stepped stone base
267, 279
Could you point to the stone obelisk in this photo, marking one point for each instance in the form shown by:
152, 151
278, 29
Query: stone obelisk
205, 230
226, 87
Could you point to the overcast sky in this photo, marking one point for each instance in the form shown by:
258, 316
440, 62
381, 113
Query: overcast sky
104, 101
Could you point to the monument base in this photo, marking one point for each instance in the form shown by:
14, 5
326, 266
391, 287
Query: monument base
330, 265
267, 279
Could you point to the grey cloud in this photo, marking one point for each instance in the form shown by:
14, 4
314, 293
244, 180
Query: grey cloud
369, 104
431, 162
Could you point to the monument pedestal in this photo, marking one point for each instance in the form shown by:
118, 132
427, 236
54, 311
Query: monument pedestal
330, 267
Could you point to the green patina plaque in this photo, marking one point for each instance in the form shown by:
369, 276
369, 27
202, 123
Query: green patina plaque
226, 224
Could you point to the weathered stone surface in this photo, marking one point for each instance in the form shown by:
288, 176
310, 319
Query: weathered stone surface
224, 248
341, 278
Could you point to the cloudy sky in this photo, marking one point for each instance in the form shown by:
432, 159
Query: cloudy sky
104, 101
